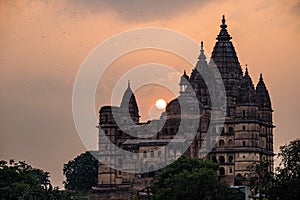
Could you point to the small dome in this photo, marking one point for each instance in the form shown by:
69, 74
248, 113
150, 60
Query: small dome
129, 102
173, 108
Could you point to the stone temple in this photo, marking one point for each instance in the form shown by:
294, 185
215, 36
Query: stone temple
246, 136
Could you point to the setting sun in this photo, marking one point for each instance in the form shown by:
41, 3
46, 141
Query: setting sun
160, 104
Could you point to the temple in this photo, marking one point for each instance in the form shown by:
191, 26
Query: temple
245, 138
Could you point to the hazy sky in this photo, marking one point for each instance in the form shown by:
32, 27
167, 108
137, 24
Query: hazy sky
43, 44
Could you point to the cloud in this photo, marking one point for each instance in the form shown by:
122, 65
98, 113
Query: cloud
141, 10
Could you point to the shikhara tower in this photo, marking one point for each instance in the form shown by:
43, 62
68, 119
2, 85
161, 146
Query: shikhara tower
245, 138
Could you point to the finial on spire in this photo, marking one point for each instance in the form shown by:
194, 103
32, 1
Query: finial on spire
202, 55
246, 72
128, 83
201, 47
261, 77
223, 25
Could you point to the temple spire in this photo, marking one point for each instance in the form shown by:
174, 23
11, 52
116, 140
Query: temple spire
128, 83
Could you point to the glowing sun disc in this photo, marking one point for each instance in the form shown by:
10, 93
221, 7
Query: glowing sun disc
160, 104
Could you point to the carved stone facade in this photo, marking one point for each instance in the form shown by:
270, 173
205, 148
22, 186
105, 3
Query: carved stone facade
245, 138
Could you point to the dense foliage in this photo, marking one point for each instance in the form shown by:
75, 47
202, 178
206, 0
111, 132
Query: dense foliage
190, 178
284, 184
81, 173
18, 180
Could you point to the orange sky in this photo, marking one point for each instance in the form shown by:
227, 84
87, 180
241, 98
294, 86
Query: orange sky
43, 44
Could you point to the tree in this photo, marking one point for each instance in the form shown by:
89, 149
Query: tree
261, 179
18, 180
190, 178
81, 173
287, 183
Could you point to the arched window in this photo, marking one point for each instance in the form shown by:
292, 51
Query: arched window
230, 170
230, 159
214, 159
152, 154
145, 154
221, 171
244, 143
222, 159
221, 143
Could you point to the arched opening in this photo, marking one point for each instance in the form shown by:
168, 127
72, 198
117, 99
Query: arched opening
230, 129
151, 171
145, 154
222, 159
230, 159
221, 143
214, 159
221, 171
244, 143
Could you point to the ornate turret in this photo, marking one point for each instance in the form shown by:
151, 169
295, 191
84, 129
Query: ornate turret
129, 105
262, 95
201, 58
246, 91
184, 83
196, 79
